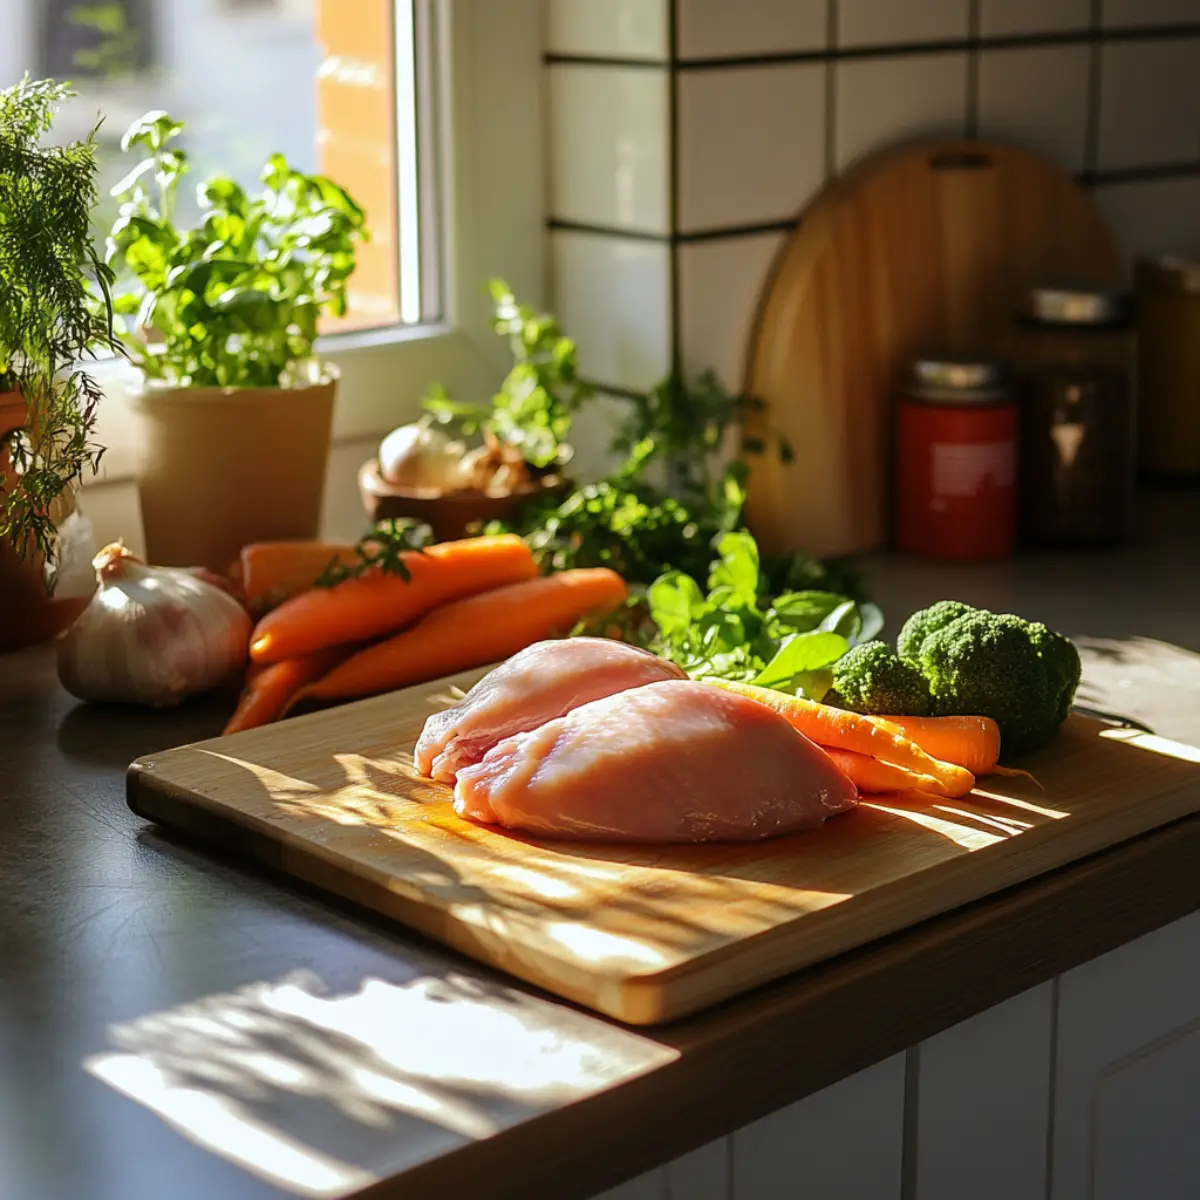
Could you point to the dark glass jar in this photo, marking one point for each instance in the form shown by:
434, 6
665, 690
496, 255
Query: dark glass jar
1075, 351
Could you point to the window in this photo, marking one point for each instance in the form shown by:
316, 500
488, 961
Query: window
427, 111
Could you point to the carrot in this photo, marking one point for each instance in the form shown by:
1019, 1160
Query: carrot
269, 688
379, 602
874, 775
972, 743
840, 730
272, 572
472, 632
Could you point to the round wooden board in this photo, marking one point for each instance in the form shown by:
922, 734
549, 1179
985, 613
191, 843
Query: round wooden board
927, 246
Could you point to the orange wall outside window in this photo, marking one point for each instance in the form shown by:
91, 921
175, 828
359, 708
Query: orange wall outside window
356, 139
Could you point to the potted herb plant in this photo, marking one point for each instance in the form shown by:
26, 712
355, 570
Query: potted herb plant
222, 320
424, 473
54, 313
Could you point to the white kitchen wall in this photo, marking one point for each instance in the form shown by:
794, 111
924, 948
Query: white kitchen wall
685, 137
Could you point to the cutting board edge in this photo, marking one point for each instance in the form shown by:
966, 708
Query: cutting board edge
1037, 851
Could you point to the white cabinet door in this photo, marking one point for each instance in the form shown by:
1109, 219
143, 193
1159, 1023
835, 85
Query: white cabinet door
1127, 1080
983, 1103
843, 1143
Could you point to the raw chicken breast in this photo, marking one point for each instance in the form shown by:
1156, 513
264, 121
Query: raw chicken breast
544, 681
669, 762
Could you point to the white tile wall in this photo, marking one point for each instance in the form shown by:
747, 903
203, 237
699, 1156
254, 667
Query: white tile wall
751, 143
862, 22
608, 134
614, 294
719, 286
609, 29
1000, 17
1037, 98
718, 29
1117, 13
1155, 217
1149, 103
880, 100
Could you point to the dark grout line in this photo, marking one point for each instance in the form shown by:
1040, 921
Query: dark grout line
973, 57
1095, 34
1091, 131
1147, 174
682, 238
832, 17
612, 231
673, 126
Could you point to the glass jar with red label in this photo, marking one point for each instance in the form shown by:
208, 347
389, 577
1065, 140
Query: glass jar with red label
956, 447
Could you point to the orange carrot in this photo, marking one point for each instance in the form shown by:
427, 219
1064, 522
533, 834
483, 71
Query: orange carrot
473, 632
272, 572
269, 688
379, 602
840, 730
874, 775
972, 743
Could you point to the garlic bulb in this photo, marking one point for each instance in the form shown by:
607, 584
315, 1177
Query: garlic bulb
422, 458
151, 635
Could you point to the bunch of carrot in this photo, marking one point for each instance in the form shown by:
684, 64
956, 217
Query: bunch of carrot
939, 756
464, 604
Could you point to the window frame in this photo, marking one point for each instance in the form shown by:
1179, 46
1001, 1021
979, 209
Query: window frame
488, 77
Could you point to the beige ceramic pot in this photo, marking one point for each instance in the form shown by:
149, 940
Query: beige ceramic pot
28, 614
220, 467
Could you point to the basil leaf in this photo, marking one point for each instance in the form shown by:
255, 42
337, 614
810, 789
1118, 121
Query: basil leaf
735, 574
676, 603
812, 685
806, 610
803, 652
844, 620
872, 623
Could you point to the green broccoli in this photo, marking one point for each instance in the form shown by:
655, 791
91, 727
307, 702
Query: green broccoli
997, 665
871, 679
924, 622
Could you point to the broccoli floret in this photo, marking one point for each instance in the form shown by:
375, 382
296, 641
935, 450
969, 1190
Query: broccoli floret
997, 665
924, 622
871, 679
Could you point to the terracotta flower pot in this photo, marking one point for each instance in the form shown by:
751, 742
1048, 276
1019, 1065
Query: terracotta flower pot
448, 515
30, 614
220, 467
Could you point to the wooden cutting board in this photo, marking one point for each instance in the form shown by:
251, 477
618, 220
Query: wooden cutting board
642, 934
928, 246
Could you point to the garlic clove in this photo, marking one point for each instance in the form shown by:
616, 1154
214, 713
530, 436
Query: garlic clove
151, 635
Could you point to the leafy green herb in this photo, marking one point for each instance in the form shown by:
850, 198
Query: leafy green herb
235, 301
382, 549
539, 397
55, 309
735, 632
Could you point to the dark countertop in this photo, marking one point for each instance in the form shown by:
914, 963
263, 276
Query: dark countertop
106, 921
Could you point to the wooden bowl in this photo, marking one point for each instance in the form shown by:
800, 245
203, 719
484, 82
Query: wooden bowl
448, 514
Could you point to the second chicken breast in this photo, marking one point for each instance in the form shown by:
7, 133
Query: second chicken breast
669, 762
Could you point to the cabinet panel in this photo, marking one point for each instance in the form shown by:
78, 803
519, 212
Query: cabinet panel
651, 1186
843, 1143
983, 1106
1126, 1062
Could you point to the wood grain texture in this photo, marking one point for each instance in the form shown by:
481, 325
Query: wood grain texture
644, 934
929, 245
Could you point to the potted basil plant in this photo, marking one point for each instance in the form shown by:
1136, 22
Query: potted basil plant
222, 319
54, 315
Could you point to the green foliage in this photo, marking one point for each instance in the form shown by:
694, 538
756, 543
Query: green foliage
873, 679
539, 397
54, 308
735, 632
235, 301
381, 549
114, 56
997, 665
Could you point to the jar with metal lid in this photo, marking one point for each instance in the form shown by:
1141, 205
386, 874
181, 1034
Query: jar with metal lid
956, 437
1075, 350
1168, 320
